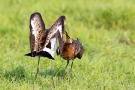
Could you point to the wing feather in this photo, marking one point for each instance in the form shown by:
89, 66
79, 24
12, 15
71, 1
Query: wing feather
79, 50
36, 27
56, 30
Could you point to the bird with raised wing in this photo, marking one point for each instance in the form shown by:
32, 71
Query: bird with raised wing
42, 40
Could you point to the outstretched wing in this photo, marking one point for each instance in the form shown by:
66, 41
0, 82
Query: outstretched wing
36, 26
56, 30
54, 33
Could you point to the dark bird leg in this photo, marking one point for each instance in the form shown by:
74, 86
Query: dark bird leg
37, 67
67, 64
71, 67
71, 70
52, 73
65, 70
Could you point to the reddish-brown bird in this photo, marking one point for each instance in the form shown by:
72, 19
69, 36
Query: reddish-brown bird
70, 50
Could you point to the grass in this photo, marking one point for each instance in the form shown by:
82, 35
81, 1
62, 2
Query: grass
106, 28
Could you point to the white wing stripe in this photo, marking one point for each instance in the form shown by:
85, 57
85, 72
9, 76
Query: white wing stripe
60, 30
53, 45
34, 32
52, 50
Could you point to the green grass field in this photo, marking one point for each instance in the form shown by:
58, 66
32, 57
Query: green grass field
106, 28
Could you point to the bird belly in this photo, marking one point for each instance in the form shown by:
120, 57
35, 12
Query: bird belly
68, 52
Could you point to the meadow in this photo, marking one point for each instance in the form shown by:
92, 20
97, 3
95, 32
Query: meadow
106, 28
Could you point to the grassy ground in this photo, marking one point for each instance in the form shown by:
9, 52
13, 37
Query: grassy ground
106, 28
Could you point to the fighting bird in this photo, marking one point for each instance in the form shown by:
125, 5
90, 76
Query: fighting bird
42, 40
70, 50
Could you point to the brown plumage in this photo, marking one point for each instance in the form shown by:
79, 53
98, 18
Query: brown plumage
42, 40
70, 50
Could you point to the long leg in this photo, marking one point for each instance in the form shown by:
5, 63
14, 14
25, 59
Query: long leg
37, 67
71, 70
71, 67
66, 65
65, 69
52, 73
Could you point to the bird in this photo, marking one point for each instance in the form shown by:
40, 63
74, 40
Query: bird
42, 40
70, 50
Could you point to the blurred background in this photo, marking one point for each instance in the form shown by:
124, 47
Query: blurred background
105, 27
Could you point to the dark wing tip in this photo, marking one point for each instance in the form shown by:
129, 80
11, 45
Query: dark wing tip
45, 54
80, 54
63, 17
80, 57
33, 15
33, 54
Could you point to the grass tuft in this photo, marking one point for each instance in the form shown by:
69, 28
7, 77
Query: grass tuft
16, 74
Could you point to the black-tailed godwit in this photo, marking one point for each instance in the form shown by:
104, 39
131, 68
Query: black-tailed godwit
71, 49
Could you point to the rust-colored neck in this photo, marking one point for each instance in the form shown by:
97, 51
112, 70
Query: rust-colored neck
68, 39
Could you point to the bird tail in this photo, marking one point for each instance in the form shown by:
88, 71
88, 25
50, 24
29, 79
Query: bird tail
32, 54
45, 54
40, 53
